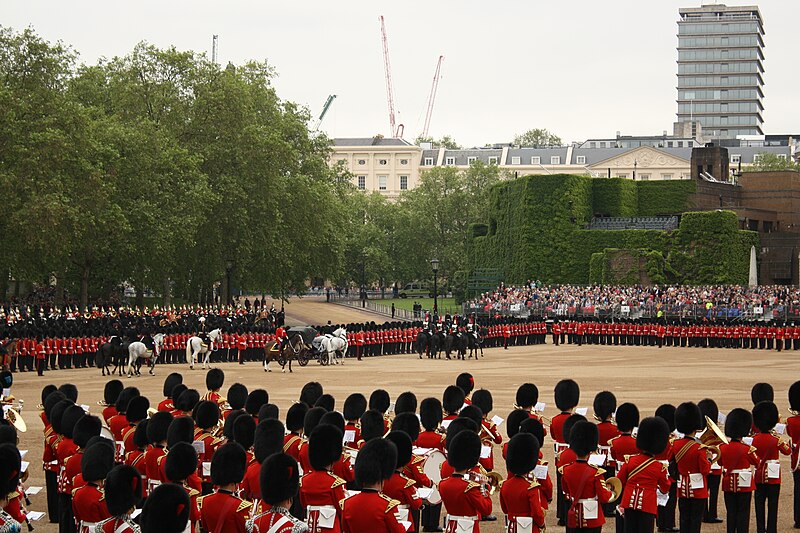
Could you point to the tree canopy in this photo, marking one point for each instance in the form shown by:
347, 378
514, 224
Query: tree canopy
537, 138
767, 161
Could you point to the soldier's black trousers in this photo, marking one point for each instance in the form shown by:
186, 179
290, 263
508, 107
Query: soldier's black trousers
713, 496
737, 505
796, 492
691, 517
639, 521
767, 500
51, 484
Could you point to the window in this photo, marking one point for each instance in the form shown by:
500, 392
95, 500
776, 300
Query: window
404, 161
493, 160
536, 160
756, 158
362, 161
403, 183
362, 182
428, 162
666, 176
782, 157
471, 159
680, 144
450, 161
382, 182
555, 159
592, 144
382, 161
581, 159
736, 159
644, 177
621, 175
515, 160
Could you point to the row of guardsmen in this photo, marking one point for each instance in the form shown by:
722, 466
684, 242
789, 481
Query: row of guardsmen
240, 469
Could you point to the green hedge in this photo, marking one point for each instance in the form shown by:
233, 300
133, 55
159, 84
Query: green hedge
596, 265
615, 197
664, 197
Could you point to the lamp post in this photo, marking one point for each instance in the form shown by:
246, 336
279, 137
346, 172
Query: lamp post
435, 268
228, 271
635, 164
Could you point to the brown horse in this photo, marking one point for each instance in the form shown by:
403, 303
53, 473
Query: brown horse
294, 348
8, 351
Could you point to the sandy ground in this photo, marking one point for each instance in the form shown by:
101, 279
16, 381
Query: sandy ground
645, 376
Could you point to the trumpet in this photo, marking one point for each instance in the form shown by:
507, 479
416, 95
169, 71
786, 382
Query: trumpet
489, 481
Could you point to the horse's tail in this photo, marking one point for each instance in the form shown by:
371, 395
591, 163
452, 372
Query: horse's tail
189, 350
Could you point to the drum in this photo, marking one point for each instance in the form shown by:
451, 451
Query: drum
433, 469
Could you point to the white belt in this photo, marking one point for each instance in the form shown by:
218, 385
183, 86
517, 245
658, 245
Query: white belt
740, 471
588, 500
453, 518
87, 527
559, 446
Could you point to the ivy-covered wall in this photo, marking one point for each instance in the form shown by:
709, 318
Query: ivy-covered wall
535, 231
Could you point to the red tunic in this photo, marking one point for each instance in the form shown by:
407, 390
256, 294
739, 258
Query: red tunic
109, 412
88, 504
118, 524
734, 458
265, 521
621, 447
692, 460
151, 460
117, 425
323, 488
166, 405
291, 445
371, 511
793, 430
582, 481
521, 497
251, 484
416, 471
768, 446
432, 439
465, 498
640, 477
404, 490
222, 511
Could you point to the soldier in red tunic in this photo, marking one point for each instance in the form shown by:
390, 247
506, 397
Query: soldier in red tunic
605, 403
708, 407
206, 417
66, 449
465, 499
119, 422
223, 510
624, 445
737, 460
482, 399
88, 501
179, 465
430, 414
237, 399
167, 510
215, 378
371, 510
279, 482
123, 492
354, 406
322, 491
9, 480
268, 441
110, 394
642, 475
170, 382
140, 443
793, 430
401, 487
295, 417
693, 464
768, 473
567, 394
520, 497
137, 411
157, 427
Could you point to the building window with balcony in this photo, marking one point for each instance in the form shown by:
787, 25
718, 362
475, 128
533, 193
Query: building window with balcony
362, 182
536, 160
515, 160
555, 160
450, 161
403, 183
428, 162
581, 159
382, 182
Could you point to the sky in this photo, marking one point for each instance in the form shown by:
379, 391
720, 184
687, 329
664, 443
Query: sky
581, 68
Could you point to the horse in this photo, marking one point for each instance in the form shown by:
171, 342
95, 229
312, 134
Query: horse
112, 352
8, 351
146, 348
457, 342
292, 348
428, 344
474, 344
196, 346
335, 345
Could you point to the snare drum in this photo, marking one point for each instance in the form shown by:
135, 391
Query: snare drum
433, 469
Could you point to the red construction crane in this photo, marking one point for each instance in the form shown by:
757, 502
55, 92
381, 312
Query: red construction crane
396, 130
432, 97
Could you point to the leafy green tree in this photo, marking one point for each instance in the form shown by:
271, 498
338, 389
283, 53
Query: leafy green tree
537, 138
767, 161
445, 141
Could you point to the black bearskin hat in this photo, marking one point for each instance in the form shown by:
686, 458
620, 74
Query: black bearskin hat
10, 465
535, 428
457, 426
667, 412
569, 423
123, 489
794, 396
379, 400
268, 439
140, 434
70, 391
689, 419
244, 431
267, 411
313, 416
762, 392
111, 391
465, 382
137, 409
482, 399
527, 395
653, 435
86, 427
280, 479
295, 417
371, 425
765, 416
57, 415
170, 382
464, 450
255, 400
157, 427
237, 396
181, 429
403, 443
430, 413
181, 462
567, 394
124, 398
310, 393
406, 403
187, 400
8, 434
354, 406
605, 403
473, 413
326, 401
324, 446
227, 426
334, 419
179, 389
408, 423
228, 464
166, 510
515, 418
50, 402
97, 460
214, 379
206, 415
522, 454
70, 418
583, 438
452, 399
627, 417
47, 391
375, 462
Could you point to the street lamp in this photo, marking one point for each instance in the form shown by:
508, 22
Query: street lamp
228, 270
435, 268
635, 164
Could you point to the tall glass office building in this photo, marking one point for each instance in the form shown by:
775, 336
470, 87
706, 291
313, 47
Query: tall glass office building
720, 69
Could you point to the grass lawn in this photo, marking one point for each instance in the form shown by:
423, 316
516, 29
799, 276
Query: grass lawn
446, 305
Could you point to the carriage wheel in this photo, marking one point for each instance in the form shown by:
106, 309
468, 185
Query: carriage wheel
302, 359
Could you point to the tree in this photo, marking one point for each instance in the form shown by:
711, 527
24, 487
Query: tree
766, 162
445, 141
537, 138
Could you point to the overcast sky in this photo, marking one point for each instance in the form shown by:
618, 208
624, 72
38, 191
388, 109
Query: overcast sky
581, 68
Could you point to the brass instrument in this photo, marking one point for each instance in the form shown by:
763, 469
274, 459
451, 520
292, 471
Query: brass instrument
615, 486
712, 438
793, 412
489, 481
15, 419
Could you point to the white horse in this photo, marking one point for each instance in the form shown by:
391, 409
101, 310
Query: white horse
195, 346
335, 345
139, 350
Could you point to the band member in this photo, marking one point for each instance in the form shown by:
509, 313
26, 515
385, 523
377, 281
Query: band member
237, 398
371, 510
452, 402
167, 510
526, 398
400, 487
110, 394
465, 500
268, 440
169, 384
768, 473
604, 405
665, 518
123, 492
295, 417
793, 430
482, 399
642, 475
406, 402
280, 483
694, 466
520, 497
88, 503
737, 460
135, 458
321, 491
708, 407
157, 429
354, 406
430, 414
137, 411
379, 401
567, 395
542, 473
118, 423
10, 462
180, 464
223, 510
215, 378
466, 383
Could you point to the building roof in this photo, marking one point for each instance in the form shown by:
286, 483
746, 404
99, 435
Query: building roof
480, 154
370, 141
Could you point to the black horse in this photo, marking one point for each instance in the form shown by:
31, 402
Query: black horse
457, 343
114, 352
429, 344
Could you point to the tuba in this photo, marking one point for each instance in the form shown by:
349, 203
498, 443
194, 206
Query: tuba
712, 438
615, 486
15, 419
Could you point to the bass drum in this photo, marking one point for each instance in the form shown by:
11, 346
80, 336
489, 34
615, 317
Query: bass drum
433, 469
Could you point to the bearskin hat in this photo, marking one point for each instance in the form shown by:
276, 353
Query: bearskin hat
181, 429
123, 489
311, 421
177, 390
527, 395
464, 450
137, 409
333, 418
166, 510
157, 427
379, 400
371, 425
207, 414
50, 402
605, 403
269, 438
569, 423
267, 411
515, 418
97, 460
430, 413
70, 418
535, 427
653, 435
583, 438
688, 418
6, 379
295, 416
187, 400
170, 382
214, 379
407, 423
86, 427
244, 431
140, 434
227, 426
354, 406
453, 399
111, 391
627, 417
465, 382
70, 391
765, 416
237, 396
567, 394
794, 396
457, 426
762, 392
181, 462
406, 403
47, 391
57, 415
324, 446
375, 462
522, 454
8, 434
482, 399
280, 478
124, 398
228, 464
10, 465
667, 412
255, 400
473, 413
310, 393
403, 443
